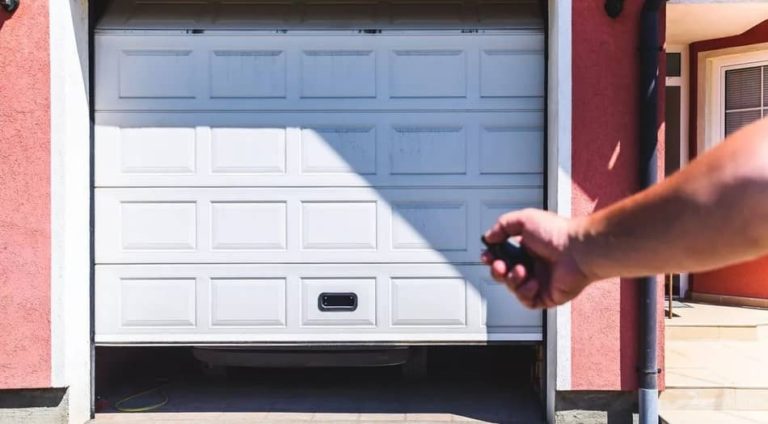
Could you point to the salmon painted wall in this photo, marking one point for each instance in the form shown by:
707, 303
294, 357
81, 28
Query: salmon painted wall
749, 279
605, 169
25, 257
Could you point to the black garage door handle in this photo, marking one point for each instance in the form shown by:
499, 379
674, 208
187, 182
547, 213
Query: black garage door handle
337, 302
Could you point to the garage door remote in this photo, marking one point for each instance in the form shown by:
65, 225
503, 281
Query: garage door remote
511, 254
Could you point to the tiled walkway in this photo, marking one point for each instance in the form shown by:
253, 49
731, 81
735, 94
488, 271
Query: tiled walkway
716, 365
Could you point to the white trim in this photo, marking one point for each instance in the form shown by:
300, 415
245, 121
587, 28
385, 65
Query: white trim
225, 33
559, 186
714, 127
70, 206
70, 167
230, 339
683, 81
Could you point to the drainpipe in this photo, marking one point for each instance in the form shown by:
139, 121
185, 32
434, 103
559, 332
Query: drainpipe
650, 48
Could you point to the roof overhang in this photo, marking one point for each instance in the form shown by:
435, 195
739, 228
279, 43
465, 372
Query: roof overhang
689, 21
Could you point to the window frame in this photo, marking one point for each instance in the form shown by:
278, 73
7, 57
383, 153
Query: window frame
715, 100
683, 82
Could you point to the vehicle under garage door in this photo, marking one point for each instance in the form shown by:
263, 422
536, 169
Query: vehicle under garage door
293, 175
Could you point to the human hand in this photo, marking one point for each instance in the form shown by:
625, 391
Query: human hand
556, 277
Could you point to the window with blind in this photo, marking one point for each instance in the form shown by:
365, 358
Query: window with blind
746, 97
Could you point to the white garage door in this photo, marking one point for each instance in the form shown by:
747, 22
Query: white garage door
309, 186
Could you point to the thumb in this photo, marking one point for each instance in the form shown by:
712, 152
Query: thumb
508, 225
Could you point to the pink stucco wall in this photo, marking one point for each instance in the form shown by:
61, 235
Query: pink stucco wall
605, 169
25, 339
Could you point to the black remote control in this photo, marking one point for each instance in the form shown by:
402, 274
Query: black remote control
511, 254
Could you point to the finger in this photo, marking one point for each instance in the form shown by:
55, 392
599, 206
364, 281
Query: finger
527, 291
508, 225
546, 298
526, 302
542, 301
486, 257
517, 276
499, 271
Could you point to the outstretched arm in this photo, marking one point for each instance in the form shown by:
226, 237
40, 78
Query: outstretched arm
712, 213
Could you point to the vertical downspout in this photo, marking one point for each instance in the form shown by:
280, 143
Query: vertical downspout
650, 48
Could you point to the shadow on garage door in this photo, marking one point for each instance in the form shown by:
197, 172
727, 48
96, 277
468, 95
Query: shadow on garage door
471, 384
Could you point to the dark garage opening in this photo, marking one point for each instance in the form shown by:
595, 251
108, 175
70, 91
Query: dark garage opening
495, 384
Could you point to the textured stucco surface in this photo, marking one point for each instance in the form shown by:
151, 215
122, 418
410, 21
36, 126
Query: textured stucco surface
605, 169
25, 197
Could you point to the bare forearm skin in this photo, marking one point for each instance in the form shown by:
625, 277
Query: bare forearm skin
710, 214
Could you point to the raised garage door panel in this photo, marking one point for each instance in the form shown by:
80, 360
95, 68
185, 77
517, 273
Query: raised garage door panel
320, 149
191, 225
262, 303
240, 175
311, 72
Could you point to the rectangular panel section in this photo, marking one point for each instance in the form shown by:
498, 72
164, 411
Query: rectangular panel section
275, 303
157, 150
157, 74
338, 150
248, 302
424, 150
363, 289
248, 74
158, 225
338, 73
511, 150
429, 225
511, 73
248, 150
429, 301
339, 225
248, 225
157, 302
428, 73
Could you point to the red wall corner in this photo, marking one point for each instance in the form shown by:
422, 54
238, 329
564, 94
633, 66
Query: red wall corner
604, 319
25, 257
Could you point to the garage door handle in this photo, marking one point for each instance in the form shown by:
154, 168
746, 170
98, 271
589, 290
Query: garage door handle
337, 302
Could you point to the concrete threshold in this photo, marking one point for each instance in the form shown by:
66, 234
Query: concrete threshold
714, 417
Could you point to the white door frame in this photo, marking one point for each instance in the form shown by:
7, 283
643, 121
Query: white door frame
559, 186
683, 82
71, 349
71, 156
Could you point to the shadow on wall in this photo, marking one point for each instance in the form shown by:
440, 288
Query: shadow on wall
4, 16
